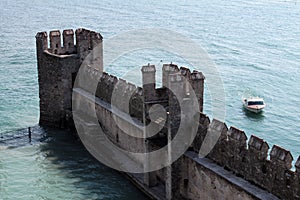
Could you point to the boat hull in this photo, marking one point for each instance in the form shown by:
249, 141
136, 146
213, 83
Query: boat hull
255, 110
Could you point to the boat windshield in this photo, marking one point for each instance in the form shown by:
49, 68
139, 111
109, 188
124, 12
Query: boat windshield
253, 103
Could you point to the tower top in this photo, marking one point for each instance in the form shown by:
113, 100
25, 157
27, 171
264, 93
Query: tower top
85, 40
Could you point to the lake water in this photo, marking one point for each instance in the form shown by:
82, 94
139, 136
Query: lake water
255, 45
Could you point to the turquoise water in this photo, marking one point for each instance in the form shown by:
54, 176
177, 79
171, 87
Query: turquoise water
255, 45
56, 166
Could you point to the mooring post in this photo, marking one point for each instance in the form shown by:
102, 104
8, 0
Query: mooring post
29, 134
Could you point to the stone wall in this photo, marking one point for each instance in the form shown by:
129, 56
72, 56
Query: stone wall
251, 161
231, 151
107, 85
57, 68
233, 169
204, 179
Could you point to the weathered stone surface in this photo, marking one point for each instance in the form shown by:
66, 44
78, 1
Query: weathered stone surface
57, 69
189, 177
279, 155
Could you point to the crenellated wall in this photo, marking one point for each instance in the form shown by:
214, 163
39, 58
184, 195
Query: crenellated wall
57, 68
250, 160
85, 40
109, 85
235, 168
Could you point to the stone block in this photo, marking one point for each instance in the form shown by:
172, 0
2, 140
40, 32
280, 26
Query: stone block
281, 156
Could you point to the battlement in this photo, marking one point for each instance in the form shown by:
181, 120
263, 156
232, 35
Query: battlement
59, 59
85, 40
171, 71
250, 159
232, 151
108, 84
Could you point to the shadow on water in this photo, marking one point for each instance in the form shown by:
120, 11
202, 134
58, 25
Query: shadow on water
63, 152
257, 117
66, 151
20, 137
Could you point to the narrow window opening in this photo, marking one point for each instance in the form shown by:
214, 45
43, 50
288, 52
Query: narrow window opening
244, 159
117, 138
288, 183
264, 169
185, 183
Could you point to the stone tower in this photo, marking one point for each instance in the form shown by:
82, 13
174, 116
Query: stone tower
57, 69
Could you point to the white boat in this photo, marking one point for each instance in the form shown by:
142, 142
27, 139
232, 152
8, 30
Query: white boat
254, 104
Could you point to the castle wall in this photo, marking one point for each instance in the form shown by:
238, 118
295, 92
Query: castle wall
193, 178
57, 68
108, 120
114, 120
250, 161
235, 168
55, 88
206, 180
107, 85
